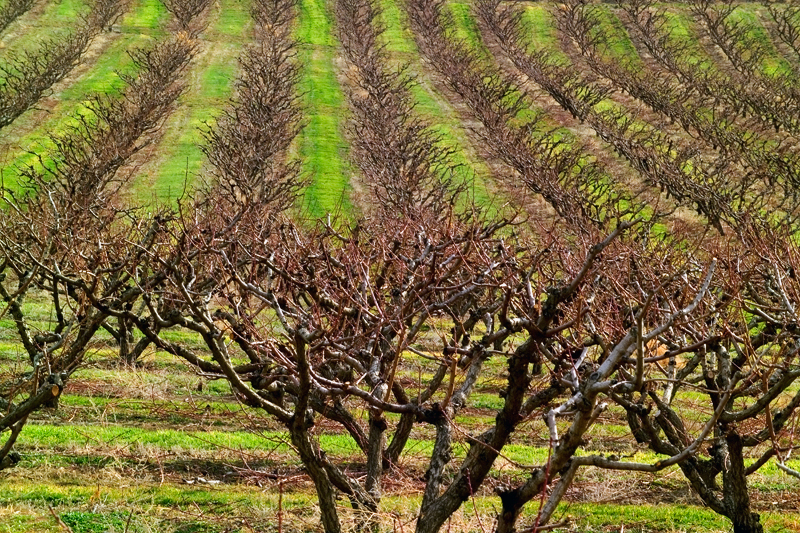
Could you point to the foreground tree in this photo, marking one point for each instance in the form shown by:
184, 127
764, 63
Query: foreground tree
326, 317
66, 237
745, 360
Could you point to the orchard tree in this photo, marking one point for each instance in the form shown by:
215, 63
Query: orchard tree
744, 359
66, 235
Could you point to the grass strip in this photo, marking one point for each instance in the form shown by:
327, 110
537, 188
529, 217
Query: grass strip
138, 28
11, 10
399, 43
321, 145
465, 28
179, 158
55, 20
32, 75
619, 46
678, 24
772, 64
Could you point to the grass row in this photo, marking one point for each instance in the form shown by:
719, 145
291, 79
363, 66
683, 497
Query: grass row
56, 18
202, 424
431, 105
30, 134
169, 508
751, 15
178, 158
321, 146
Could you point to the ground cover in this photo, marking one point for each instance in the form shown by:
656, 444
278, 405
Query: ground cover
750, 16
56, 17
542, 31
29, 136
619, 46
433, 106
161, 447
321, 145
177, 156
96, 470
679, 25
11, 10
465, 28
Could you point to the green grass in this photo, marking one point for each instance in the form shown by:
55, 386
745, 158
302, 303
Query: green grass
145, 17
772, 64
166, 508
25, 507
618, 46
89, 522
321, 146
432, 106
542, 33
397, 36
181, 410
58, 18
466, 27
179, 158
32, 131
640, 518
63, 437
144, 440
680, 26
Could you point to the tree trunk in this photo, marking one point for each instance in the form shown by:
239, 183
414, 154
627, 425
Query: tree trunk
735, 494
747, 522
399, 439
124, 340
377, 431
132, 356
512, 504
309, 455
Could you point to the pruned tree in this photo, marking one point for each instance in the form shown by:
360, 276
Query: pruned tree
65, 233
320, 320
12, 10
744, 359
27, 76
186, 12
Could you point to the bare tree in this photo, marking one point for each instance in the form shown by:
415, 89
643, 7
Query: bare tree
746, 366
27, 76
64, 233
186, 12
12, 10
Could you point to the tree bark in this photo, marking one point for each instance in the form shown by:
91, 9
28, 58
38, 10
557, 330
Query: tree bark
309, 455
737, 499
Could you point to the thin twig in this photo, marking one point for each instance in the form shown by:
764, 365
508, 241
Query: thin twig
128, 523
58, 519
